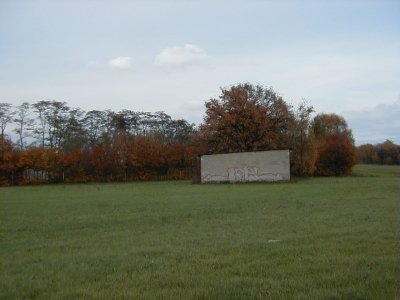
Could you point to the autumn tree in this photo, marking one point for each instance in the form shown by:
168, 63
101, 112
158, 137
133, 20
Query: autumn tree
336, 156
6, 149
325, 125
302, 141
149, 157
73, 166
246, 117
335, 145
44, 162
367, 154
102, 163
10, 163
388, 153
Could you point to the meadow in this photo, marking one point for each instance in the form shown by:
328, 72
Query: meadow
315, 238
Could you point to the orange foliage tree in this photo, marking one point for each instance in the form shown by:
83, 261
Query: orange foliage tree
42, 163
336, 156
388, 153
10, 162
73, 166
335, 145
367, 154
246, 118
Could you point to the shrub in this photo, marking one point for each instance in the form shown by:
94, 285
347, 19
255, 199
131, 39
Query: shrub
336, 156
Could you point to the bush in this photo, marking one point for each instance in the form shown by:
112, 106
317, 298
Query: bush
336, 156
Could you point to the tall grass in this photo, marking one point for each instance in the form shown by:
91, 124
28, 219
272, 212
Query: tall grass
320, 238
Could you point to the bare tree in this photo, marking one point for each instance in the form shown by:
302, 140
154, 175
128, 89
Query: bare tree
41, 108
23, 122
6, 116
302, 141
95, 124
53, 119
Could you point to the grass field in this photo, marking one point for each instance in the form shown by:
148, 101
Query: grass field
318, 238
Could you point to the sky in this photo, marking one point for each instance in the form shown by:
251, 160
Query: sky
174, 55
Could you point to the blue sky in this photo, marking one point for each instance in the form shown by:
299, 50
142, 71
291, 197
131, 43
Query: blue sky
342, 56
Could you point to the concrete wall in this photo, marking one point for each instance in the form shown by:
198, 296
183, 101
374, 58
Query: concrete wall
246, 167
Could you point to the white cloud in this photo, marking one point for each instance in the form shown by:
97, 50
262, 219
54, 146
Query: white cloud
180, 55
121, 62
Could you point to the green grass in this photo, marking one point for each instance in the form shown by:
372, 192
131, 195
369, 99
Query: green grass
319, 238
376, 171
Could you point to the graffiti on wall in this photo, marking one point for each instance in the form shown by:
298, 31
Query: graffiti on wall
242, 175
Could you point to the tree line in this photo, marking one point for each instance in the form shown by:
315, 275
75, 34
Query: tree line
48, 141
56, 143
386, 153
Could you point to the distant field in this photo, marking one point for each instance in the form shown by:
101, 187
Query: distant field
318, 238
